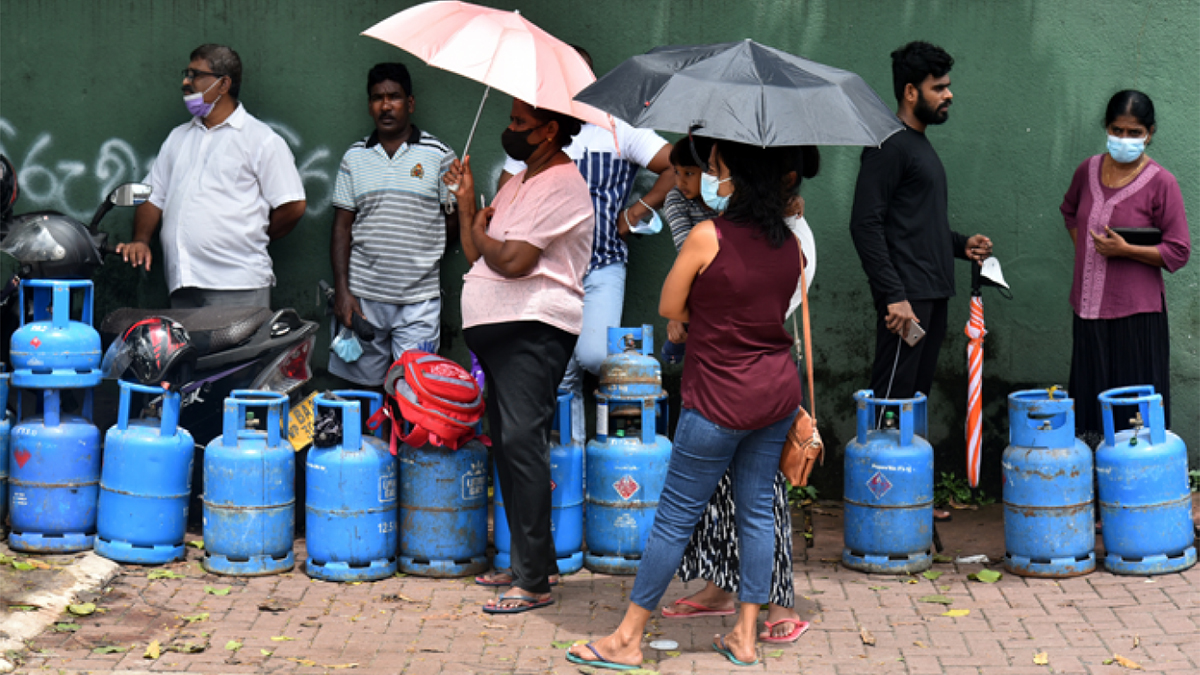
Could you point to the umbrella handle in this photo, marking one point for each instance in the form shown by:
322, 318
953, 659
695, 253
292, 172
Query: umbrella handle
474, 124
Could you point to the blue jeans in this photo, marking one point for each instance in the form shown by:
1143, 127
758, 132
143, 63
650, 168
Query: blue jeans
603, 300
702, 452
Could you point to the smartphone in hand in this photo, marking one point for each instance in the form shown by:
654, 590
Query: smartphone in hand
913, 333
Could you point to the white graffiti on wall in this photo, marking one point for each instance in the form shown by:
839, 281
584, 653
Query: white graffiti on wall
50, 182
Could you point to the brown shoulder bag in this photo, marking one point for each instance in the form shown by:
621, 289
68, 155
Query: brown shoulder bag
803, 447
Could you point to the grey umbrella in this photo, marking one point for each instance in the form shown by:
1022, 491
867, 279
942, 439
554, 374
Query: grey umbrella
745, 92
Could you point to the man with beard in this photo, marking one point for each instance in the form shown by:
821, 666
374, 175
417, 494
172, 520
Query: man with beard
225, 185
901, 228
390, 229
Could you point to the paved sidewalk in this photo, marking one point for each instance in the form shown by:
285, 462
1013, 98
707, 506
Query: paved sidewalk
289, 624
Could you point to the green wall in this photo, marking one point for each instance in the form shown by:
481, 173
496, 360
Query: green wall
88, 91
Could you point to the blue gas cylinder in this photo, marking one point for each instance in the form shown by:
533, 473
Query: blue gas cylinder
54, 478
5, 433
1049, 527
1141, 478
54, 349
889, 487
145, 483
443, 510
627, 460
566, 498
350, 498
249, 489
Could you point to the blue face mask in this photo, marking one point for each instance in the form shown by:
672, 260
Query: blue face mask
1125, 150
708, 192
653, 226
346, 345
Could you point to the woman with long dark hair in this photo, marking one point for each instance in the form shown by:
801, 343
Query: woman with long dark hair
733, 281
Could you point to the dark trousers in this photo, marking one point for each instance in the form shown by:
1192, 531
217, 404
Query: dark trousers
915, 366
524, 361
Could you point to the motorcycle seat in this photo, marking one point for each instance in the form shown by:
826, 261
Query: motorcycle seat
210, 329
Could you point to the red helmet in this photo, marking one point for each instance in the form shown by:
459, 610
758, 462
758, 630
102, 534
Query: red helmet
151, 347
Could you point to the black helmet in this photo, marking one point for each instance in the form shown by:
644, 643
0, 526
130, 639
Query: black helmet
151, 347
52, 246
9, 190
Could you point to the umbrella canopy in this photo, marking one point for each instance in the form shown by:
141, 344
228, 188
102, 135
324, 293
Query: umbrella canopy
500, 49
745, 92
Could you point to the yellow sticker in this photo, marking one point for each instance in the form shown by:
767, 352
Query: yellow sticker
300, 423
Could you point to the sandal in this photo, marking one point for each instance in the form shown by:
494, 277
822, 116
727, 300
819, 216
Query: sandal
701, 610
801, 627
529, 603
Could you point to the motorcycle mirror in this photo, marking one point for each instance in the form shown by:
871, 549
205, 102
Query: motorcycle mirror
130, 194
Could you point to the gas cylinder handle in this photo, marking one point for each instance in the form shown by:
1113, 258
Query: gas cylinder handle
375, 399
1150, 408
621, 339
59, 313
235, 414
352, 413
913, 414
4, 378
168, 423
562, 416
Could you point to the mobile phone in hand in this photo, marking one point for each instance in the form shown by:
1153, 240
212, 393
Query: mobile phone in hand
913, 333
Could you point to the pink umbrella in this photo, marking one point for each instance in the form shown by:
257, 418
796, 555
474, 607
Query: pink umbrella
498, 48
975, 332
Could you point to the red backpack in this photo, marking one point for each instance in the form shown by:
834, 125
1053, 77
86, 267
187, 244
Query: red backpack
436, 396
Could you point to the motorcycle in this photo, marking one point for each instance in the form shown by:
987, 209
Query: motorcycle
210, 351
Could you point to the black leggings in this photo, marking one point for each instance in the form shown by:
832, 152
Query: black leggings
524, 361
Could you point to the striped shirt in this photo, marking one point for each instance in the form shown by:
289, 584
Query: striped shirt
399, 230
609, 175
682, 214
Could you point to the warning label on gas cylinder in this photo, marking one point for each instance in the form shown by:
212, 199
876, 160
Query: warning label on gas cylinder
879, 485
626, 487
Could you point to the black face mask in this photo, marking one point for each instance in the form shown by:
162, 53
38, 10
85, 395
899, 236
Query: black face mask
516, 143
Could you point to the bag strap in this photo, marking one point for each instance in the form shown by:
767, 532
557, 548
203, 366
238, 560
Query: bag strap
807, 353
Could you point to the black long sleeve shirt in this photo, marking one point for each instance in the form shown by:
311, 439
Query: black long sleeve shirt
900, 222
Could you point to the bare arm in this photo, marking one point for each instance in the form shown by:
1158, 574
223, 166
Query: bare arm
698, 251
283, 219
509, 259
145, 222
1074, 236
344, 304
661, 164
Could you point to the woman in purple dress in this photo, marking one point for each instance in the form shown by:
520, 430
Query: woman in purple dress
1125, 215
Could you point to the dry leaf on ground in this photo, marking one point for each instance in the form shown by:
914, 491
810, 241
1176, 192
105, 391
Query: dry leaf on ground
1126, 663
866, 636
1041, 659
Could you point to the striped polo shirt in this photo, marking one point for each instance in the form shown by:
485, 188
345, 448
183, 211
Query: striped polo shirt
399, 230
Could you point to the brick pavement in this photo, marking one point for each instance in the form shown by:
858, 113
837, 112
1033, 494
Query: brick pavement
426, 627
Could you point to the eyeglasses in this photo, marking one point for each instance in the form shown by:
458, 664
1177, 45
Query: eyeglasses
192, 74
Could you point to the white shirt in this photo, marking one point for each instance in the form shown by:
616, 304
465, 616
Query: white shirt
808, 245
216, 188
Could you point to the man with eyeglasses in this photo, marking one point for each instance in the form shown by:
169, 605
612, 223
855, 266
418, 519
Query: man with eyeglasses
225, 185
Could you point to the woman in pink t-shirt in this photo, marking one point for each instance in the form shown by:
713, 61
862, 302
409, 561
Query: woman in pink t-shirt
1125, 215
522, 308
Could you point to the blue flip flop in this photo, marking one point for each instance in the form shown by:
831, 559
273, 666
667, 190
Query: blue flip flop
599, 661
534, 603
720, 647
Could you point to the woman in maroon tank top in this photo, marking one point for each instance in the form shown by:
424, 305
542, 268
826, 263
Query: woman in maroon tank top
733, 280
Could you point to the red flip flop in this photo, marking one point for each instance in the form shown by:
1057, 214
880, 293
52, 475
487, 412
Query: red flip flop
800, 629
701, 610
